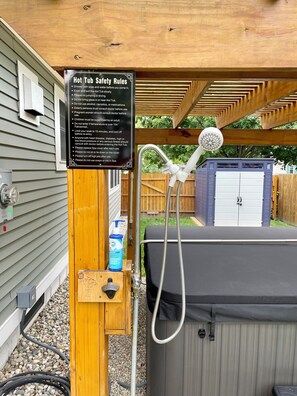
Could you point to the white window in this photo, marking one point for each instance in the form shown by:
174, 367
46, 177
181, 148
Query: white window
114, 179
60, 129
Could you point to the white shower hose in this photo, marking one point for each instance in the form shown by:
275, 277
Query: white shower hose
163, 268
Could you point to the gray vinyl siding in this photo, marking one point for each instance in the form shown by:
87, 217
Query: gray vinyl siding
36, 239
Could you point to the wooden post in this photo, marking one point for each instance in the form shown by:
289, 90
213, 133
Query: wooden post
88, 249
274, 196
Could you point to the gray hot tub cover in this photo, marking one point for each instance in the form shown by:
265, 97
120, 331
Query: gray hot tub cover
226, 281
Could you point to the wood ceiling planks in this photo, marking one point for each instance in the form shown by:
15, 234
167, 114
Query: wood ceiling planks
228, 101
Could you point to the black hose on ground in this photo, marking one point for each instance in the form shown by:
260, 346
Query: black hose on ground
38, 377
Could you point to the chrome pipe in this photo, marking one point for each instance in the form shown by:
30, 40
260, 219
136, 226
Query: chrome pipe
136, 269
220, 241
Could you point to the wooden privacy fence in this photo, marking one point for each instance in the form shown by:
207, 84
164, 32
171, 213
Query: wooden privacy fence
274, 197
154, 188
153, 194
285, 187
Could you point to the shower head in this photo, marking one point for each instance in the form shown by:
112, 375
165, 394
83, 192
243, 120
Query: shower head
211, 139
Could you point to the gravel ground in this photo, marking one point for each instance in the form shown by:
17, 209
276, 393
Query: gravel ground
52, 327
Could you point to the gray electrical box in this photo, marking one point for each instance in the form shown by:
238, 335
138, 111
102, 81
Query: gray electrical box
26, 297
8, 195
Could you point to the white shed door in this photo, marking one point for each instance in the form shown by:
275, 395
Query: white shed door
239, 199
251, 194
227, 191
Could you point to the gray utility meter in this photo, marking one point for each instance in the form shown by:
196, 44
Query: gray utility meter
8, 195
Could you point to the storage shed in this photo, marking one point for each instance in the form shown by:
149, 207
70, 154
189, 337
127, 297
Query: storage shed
234, 192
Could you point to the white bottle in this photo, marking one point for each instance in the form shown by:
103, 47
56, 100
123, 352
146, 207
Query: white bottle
116, 248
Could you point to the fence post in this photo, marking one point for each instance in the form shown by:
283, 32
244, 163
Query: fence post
274, 196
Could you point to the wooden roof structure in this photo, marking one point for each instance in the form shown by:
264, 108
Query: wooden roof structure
227, 101
274, 101
223, 59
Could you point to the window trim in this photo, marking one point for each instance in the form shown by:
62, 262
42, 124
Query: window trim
117, 186
58, 95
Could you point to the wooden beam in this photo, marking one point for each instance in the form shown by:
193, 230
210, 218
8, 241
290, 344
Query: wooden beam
88, 248
223, 74
262, 96
280, 116
135, 34
233, 137
194, 93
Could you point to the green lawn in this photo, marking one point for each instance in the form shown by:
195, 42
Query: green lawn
278, 223
186, 221
154, 221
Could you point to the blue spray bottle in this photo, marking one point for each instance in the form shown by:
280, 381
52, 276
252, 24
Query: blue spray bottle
116, 248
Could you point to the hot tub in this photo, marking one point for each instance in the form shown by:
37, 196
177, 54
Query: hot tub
240, 334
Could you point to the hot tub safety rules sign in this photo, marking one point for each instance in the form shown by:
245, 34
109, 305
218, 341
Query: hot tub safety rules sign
100, 116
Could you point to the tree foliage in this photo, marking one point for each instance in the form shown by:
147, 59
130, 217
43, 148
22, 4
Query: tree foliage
180, 154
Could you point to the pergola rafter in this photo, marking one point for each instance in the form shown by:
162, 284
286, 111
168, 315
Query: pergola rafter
273, 101
262, 96
192, 96
280, 116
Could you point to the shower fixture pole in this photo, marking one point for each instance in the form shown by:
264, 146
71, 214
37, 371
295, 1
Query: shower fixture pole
210, 139
136, 270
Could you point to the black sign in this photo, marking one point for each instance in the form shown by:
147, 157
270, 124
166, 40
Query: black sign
100, 119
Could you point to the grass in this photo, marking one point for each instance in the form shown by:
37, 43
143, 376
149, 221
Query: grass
278, 223
187, 221
155, 221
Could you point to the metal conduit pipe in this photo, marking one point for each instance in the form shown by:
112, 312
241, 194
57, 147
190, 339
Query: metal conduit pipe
130, 230
219, 241
136, 270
